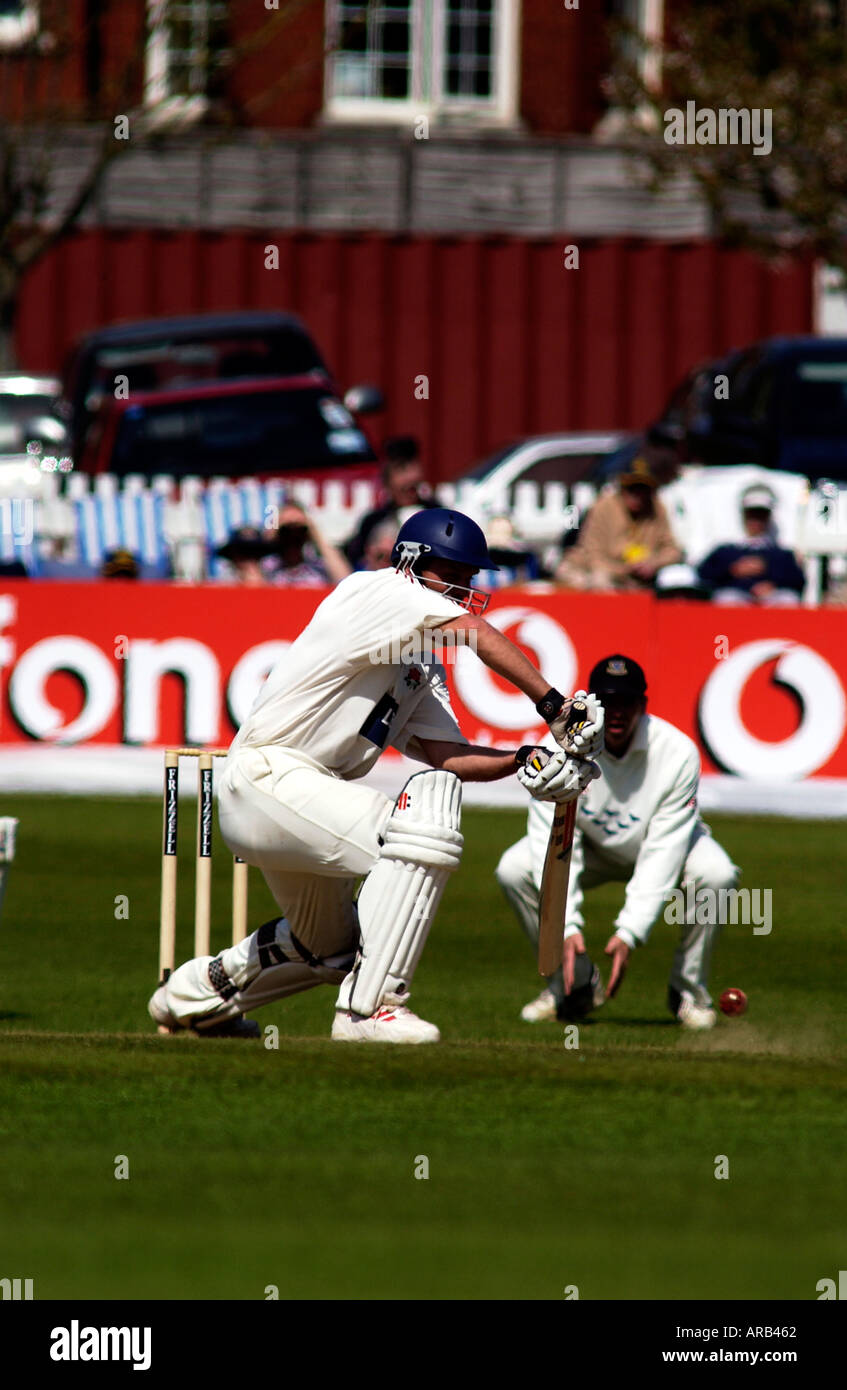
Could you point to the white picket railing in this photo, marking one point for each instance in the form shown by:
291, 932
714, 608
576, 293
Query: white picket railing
175, 526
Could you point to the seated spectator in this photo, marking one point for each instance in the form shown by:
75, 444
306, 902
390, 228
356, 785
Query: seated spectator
300, 554
119, 564
403, 479
380, 544
757, 569
625, 538
245, 552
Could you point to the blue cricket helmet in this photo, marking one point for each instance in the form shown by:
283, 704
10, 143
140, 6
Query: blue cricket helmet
444, 534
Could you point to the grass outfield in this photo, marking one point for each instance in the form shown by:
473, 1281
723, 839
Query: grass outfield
548, 1167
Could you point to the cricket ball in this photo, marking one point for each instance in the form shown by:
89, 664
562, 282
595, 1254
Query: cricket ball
733, 1001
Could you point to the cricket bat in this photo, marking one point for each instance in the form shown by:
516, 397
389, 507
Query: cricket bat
557, 869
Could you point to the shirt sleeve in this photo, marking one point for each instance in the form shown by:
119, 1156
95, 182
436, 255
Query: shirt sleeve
662, 855
432, 719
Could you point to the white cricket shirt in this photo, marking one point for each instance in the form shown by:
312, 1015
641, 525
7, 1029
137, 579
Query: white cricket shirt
642, 815
337, 696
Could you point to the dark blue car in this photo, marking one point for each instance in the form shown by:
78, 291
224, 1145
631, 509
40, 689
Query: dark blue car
785, 407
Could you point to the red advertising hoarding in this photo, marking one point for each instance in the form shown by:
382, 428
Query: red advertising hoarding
761, 691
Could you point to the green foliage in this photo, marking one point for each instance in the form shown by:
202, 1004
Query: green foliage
778, 55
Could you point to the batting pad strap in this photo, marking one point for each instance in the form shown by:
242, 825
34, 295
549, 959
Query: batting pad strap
220, 981
435, 845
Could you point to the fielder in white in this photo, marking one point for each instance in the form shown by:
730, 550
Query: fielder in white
638, 824
362, 675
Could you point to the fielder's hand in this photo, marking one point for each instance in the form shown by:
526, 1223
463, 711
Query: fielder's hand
583, 740
555, 776
619, 952
574, 946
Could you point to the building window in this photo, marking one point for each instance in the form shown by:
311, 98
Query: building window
398, 59
646, 18
186, 49
18, 22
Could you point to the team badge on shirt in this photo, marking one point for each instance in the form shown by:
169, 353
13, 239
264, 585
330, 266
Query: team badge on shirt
413, 677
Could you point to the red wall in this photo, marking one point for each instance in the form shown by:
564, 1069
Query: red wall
512, 343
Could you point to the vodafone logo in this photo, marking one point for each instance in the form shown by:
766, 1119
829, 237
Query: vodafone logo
509, 709
134, 689
818, 691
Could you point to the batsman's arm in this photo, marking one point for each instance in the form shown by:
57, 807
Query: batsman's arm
507, 660
502, 656
470, 764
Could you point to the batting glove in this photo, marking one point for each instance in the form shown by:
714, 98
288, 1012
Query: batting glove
559, 778
584, 740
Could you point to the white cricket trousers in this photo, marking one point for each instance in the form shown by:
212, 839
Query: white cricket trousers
313, 837
707, 865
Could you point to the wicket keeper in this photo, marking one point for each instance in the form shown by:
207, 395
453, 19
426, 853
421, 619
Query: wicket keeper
638, 824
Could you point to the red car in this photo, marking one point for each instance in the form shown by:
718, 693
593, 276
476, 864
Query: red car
259, 428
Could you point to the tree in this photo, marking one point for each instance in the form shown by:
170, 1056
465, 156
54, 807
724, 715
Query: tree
787, 58
70, 105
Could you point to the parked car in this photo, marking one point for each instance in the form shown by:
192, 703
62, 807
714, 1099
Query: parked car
172, 354
543, 458
28, 413
542, 517
252, 428
785, 408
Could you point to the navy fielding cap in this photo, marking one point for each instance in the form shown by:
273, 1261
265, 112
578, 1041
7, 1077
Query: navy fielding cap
618, 675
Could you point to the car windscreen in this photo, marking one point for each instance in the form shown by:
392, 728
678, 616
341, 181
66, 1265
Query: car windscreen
488, 465
238, 435
814, 398
162, 364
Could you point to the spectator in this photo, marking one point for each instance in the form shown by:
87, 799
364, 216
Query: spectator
625, 539
301, 554
380, 543
403, 479
757, 569
119, 564
245, 552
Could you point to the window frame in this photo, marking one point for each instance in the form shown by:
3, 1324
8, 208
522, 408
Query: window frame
439, 108
157, 86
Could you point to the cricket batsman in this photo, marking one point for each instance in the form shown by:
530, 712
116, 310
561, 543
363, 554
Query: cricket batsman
639, 825
361, 676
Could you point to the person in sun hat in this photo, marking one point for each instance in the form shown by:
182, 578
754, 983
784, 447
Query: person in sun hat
756, 569
625, 539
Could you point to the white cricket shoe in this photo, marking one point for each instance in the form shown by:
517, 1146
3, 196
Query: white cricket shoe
392, 1023
693, 1015
540, 1010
